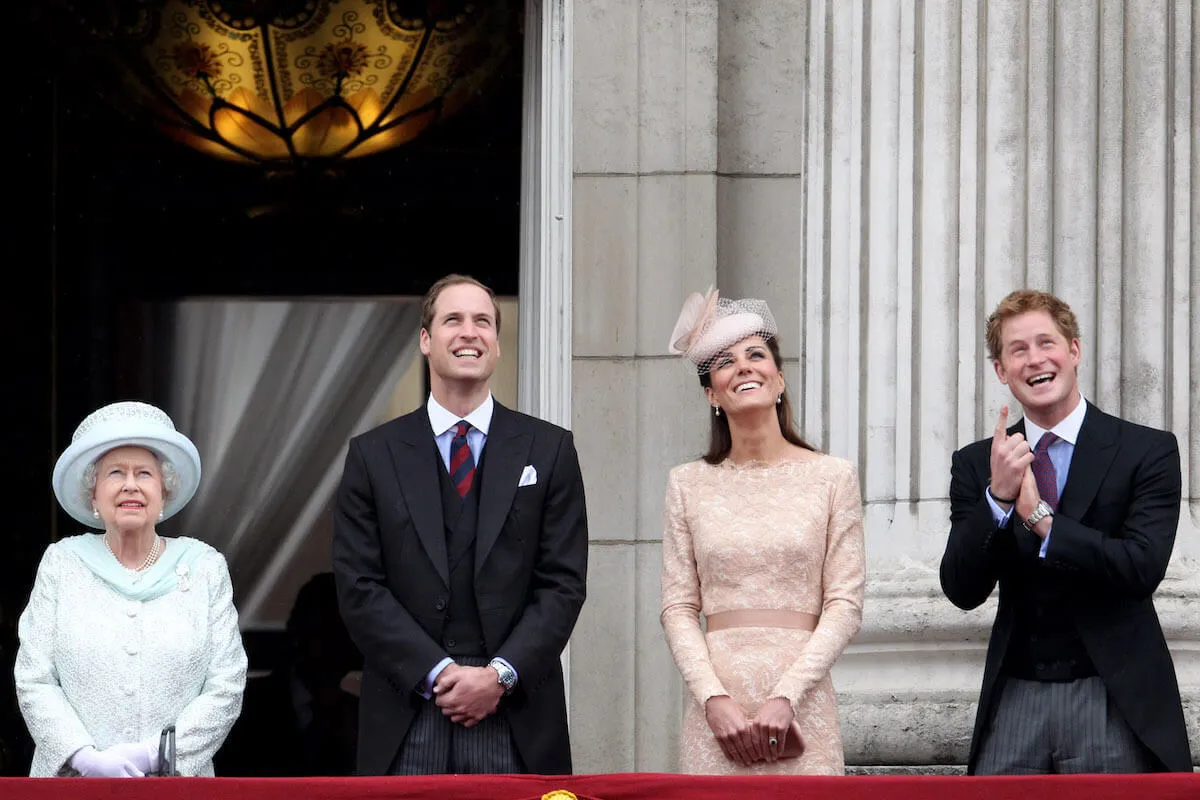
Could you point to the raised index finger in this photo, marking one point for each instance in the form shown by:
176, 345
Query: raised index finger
1002, 424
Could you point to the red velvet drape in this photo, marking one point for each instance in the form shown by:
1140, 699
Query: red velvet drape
628, 786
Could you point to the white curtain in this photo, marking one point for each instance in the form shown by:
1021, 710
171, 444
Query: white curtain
270, 392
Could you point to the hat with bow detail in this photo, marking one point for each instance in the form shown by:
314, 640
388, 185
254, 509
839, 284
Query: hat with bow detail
709, 324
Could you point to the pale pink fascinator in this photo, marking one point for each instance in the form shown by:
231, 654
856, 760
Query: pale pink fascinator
709, 324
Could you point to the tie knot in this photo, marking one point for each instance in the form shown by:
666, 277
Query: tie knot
461, 427
1048, 438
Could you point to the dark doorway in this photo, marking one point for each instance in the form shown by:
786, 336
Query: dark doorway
113, 221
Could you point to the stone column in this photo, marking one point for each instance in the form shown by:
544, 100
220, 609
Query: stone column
986, 147
883, 173
644, 235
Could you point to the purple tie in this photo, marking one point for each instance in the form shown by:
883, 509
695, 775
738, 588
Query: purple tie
1043, 470
462, 465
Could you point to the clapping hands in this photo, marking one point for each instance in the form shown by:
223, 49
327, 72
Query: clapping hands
1010, 460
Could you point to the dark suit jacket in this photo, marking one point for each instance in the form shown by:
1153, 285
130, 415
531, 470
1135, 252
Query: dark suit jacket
1109, 546
389, 558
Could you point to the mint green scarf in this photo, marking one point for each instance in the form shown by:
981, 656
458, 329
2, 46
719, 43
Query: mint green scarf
176, 567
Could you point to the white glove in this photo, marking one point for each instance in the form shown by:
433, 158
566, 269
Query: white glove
142, 755
93, 763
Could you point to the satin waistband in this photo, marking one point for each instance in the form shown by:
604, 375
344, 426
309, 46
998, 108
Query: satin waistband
762, 618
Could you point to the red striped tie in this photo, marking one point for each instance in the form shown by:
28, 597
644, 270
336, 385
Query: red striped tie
462, 465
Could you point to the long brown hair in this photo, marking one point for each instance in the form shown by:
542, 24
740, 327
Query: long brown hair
720, 440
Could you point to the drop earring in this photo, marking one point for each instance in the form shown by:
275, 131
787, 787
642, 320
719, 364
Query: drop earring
716, 411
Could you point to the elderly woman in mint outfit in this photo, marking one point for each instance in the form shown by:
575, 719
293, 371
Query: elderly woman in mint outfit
127, 631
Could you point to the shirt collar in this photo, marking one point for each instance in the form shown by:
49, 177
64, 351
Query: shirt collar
1067, 429
442, 420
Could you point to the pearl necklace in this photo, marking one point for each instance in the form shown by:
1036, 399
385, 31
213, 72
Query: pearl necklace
151, 557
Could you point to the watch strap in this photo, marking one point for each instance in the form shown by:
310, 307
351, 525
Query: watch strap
1040, 512
504, 674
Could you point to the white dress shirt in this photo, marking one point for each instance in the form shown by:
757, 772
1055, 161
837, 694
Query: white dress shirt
443, 423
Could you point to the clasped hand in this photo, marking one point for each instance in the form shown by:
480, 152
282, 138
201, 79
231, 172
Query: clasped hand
124, 760
746, 739
467, 694
1012, 473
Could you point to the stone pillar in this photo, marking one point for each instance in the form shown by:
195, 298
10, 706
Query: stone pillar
882, 173
644, 235
986, 147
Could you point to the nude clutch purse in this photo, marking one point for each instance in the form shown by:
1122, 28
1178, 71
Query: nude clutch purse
793, 746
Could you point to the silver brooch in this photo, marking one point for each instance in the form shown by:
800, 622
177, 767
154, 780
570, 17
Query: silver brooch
185, 579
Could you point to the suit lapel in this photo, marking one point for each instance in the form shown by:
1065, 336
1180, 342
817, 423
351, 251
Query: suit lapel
1094, 453
416, 460
507, 449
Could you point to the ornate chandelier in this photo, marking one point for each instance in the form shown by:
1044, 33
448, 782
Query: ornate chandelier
290, 82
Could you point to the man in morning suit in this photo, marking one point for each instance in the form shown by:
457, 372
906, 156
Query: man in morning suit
1073, 512
460, 552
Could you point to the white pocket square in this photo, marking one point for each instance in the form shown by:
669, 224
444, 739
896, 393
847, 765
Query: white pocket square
528, 476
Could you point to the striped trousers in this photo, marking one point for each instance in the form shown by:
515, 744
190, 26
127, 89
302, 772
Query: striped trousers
436, 746
1041, 728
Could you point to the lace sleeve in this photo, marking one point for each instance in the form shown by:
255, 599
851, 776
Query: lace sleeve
681, 601
843, 579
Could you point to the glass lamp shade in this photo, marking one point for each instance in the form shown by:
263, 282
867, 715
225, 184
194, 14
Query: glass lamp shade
288, 82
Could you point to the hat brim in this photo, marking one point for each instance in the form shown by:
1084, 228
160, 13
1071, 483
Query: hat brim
724, 332
168, 445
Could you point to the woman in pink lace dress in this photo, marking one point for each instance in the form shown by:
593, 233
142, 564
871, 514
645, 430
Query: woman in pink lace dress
764, 539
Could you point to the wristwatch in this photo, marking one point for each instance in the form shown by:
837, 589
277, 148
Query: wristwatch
504, 674
1040, 512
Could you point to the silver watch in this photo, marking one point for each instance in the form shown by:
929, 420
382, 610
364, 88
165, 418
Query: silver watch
1042, 511
504, 674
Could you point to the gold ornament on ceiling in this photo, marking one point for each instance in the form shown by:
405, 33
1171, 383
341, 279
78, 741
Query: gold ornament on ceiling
290, 82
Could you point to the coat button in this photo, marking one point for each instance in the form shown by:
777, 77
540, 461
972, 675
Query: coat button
131, 649
440, 603
450, 643
1040, 667
132, 611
